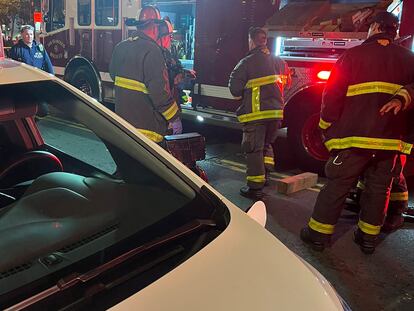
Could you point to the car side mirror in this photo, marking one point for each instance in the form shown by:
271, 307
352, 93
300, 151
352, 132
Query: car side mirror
258, 212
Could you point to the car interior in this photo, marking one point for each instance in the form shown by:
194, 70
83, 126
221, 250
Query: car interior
57, 211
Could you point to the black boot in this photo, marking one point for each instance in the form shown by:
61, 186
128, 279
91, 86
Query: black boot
255, 194
392, 223
366, 242
307, 237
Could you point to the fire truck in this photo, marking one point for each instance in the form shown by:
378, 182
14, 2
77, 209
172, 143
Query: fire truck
310, 35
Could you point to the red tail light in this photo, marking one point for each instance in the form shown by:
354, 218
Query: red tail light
324, 74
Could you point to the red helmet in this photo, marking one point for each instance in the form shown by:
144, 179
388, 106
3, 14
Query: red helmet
312, 139
149, 12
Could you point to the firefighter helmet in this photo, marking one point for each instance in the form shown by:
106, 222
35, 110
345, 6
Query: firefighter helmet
312, 139
166, 28
149, 12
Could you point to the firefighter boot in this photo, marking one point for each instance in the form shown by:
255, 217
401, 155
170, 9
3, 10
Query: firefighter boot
366, 242
392, 223
314, 239
255, 194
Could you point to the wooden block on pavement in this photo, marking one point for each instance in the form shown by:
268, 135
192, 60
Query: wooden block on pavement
296, 183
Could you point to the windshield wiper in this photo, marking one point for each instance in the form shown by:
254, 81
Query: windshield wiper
77, 278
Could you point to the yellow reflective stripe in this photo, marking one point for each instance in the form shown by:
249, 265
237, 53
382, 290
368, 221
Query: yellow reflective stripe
320, 227
369, 143
260, 115
256, 179
399, 196
152, 135
373, 87
131, 84
323, 124
269, 160
406, 95
369, 229
255, 99
262, 81
360, 185
170, 112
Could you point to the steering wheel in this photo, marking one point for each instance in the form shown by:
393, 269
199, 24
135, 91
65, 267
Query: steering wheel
28, 166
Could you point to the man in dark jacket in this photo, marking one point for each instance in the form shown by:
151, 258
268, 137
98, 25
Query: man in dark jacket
28, 51
258, 82
142, 91
363, 141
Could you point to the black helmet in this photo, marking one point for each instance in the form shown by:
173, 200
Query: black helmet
388, 22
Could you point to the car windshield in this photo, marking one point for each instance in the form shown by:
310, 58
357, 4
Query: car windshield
77, 190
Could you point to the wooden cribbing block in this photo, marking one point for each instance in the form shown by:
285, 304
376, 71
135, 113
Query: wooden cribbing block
296, 183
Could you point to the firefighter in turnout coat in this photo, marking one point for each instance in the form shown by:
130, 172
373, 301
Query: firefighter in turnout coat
142, 91
258, 82
362, 139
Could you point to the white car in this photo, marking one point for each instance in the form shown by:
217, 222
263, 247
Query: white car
93, 216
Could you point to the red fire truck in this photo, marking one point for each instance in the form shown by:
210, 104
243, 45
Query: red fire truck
309, 35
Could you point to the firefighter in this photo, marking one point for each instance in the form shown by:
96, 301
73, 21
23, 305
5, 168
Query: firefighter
174, 68
142, 91
362, 141
28, 51
258, 82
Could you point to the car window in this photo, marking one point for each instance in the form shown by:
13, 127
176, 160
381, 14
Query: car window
74, 139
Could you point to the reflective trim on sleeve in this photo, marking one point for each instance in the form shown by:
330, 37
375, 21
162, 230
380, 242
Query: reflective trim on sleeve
256, 179
263, 81
399, 196
261, 115
406, 95
155, 137
369, 229
269, 160
369, 143
323, 124
131, 84
320, 227
373, 87
170, 112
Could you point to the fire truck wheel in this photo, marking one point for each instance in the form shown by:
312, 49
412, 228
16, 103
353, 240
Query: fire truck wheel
86, 81
304, 160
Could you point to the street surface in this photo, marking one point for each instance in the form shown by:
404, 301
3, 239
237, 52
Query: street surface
382, 281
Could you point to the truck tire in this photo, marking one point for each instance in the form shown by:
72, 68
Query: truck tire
297, 119
85, 80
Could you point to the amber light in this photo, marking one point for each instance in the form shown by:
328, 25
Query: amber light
324, 75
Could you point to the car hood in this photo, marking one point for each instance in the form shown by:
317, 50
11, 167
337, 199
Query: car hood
244, 268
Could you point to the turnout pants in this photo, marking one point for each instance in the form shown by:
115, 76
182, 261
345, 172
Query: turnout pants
398, 202
343, 170
257, 145
399, 193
